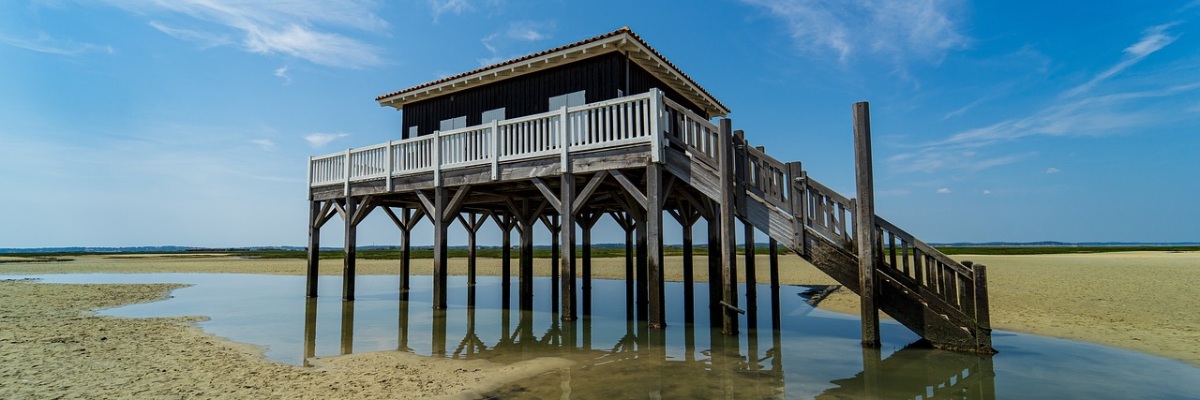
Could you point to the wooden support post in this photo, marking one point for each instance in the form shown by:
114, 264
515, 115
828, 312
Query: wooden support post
751, 281
566, 229
750, 265
983, 316
654, 262
553, 223
640, 272
715, 278
314, 247
440, 248
689, 291
472, 223
864, 225
405, 257
586, 222
798, 204
350, 245
774, 263
729, 323
310, 330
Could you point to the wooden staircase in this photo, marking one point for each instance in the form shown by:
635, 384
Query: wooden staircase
935, 296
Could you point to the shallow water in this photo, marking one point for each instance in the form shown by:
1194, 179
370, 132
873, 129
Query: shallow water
789, 351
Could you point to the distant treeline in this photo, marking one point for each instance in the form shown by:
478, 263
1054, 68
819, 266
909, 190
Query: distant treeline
599, 251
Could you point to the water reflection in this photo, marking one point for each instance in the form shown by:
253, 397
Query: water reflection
631, 359
803, 353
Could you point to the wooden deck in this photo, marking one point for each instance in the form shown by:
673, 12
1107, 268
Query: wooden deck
632, 159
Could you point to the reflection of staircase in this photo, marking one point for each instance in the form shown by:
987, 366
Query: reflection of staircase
940, 299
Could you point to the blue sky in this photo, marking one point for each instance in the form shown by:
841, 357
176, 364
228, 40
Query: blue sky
189, 122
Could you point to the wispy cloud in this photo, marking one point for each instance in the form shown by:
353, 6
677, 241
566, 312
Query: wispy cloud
43, 43
282, 73
299, 28
1153, 39
497, 43
265, 144
1076, 111
900, 30
204, 39
456, 7
1052, 170
943, 191
318, 140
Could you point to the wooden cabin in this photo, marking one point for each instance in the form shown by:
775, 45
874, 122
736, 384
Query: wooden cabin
605, 127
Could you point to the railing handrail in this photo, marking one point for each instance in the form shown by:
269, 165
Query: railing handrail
923, 247
551, 146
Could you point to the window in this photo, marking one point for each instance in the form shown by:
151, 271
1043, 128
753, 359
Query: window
493, 115
568, 100
453, 123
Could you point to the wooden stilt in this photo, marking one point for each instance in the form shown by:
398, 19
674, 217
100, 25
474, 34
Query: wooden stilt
586, 222
864, 225
350, 245
640, 272
567, 231
729, 325
405, 256
654, 267
715, 276
774, 263
314, 247
440, 248
751, 281
472, 223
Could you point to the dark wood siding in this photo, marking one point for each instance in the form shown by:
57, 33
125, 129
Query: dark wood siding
602, 77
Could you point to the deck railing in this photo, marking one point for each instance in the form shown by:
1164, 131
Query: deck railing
607, 124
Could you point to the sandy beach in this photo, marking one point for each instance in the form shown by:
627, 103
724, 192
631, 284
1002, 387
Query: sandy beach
53, 346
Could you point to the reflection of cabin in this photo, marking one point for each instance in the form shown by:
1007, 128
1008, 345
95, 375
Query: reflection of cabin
607, 127
602, 68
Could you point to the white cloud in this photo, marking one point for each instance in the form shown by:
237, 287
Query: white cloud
266, 144
1153, 39
499, 43
298, 28
49, 45
318, 140
943, 191
204, 39
282, 73
899, 30
1052, 170
456, 7
986, 192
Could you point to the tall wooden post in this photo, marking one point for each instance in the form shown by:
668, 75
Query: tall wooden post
566, 229
751, 282
525, 271
642, 288
350, 246
585, 226
314, 247
864, 225
440, 248
654, 268
729, 324
689, 293
716, 279
405, 254
472, 230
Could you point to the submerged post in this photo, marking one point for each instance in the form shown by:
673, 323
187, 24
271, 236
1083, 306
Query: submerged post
864, 225
654, 267
440, 248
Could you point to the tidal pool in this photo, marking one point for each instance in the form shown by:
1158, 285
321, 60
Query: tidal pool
785, 349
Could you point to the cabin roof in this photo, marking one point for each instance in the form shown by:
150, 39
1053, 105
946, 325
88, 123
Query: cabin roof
624, 40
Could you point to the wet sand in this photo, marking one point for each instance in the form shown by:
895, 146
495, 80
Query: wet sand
1143, 301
